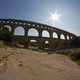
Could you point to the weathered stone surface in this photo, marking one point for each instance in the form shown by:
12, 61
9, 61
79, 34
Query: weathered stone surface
27, 25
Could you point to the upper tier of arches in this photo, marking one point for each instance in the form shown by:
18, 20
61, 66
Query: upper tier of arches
29, 28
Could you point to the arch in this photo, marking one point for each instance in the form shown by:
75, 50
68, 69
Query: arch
19, 44
33, 32
46, 42
71, 37
55, 35
67, 37
9, 27
62, 36
33, 44
46, 45
33, 40
19, 31
45, 33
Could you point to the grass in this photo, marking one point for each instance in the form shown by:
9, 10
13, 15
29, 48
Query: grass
2, 45
74, 54
78, 62
2, 57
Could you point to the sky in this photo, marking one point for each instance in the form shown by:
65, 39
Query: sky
38, 11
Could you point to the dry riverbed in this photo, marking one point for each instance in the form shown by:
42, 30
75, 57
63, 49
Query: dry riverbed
24, 64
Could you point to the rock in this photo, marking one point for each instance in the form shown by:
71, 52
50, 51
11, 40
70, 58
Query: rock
20, 63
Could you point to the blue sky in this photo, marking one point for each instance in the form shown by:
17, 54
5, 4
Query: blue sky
38, 11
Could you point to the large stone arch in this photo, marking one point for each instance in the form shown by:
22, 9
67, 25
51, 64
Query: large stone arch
55, 35
62, 36
19, 31
33, 32
68, 37
45, 33
9, 27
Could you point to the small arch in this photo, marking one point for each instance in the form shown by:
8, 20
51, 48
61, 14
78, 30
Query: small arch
19, 31
33, 40
24, 23
48, 28
9, 27
29, 24
7, 21
37, 25
46, 45
55, 35
3, 21
46, 42
20, 23
16, 22
12, 22
33, 25
33, 32
62, 36
71, 37
45, 33
33, 44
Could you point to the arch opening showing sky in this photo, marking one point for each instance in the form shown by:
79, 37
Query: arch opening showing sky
33, 32
45, 33
19, 31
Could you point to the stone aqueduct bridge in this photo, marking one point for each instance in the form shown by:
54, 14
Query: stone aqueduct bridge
52, 40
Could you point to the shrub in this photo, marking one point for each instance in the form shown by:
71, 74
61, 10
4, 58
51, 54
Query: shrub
75, 55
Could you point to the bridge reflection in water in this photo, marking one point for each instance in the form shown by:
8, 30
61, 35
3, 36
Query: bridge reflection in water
56, 38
